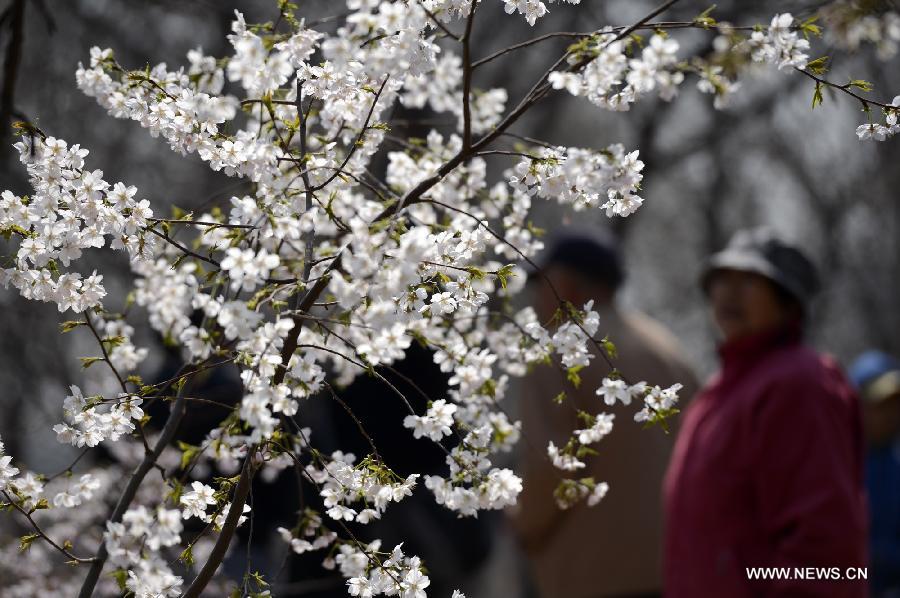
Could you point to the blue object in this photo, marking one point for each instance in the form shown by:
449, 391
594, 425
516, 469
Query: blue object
883, 483
870, 366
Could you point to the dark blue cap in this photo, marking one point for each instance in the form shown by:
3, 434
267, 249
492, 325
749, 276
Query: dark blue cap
588, 252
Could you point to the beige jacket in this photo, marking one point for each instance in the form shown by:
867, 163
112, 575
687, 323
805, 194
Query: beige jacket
613, 548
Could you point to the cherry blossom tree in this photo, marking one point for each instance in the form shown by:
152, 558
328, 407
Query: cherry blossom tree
325, 270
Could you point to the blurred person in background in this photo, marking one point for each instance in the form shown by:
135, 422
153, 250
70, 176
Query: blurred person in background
614, 548
877, 377
767, 468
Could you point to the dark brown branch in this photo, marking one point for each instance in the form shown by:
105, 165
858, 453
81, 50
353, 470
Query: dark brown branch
307, 187
228, 528
467, 76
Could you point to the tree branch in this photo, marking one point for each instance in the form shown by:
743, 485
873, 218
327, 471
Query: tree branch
228, 528
137, 476
467, 76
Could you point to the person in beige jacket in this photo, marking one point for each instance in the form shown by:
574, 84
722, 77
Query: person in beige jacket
614, 548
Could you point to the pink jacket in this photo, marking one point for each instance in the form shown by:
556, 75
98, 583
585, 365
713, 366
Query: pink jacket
767, 472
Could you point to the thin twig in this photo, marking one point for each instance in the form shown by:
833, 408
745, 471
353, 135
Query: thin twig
43, 535
181, 247
358, 140
846, 89
201, 223
359, 425
586, 34
506, 153
71, 465
438, 24
90, 324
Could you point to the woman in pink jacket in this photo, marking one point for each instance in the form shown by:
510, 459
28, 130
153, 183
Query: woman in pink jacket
764, 492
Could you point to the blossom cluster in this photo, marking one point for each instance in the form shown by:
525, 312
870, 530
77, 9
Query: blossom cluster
196, 502
87, 425
36, 493
7, 471
435, 424
781, 44
474, 484
166, 104
583, 178
571, 492
571, 339
309, 527
658, 402
611, 80
880, 132
317, 272
397, 575
342, 484
72, 209
134, 545
658, 405
532, 9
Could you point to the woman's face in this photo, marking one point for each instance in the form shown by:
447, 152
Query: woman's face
744, 303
